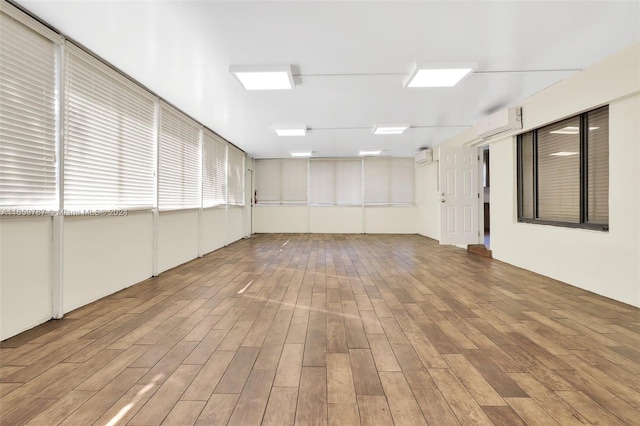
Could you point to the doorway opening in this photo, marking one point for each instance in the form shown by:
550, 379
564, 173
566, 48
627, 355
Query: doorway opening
486, 184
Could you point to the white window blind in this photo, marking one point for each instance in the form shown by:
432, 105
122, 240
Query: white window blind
335, 182
109, 137
214, 173
598, 166
235, 160
389, 181
179, 161
559, 171
526, 147
281, 181
28, 63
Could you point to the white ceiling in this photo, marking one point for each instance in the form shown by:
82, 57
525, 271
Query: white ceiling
351, 59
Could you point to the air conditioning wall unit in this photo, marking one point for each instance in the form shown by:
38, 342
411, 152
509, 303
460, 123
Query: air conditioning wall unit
504, 121
424, 156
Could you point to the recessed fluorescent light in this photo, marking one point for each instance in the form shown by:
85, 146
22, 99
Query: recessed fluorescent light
301, 154
439, 74
263, 77
363, 153
291, 132
390, 130
564, 153
571, 130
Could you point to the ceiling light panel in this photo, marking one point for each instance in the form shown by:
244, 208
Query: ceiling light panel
263, 77
301, 154
291, 132
564, 154
439, 74
392, 129
366, 153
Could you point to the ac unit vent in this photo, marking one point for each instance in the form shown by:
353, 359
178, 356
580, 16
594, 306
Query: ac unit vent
424, 156
501, 122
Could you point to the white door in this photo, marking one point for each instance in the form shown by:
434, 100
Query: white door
458, 196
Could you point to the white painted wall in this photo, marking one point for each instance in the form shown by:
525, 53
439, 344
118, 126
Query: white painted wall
428, 199
25, 273
214, 229
606, 263
390, 220
235, 224
602, 262
177, 238
335, 220
103, 255
280, 219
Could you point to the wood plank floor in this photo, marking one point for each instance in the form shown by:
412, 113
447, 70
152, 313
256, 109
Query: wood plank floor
332, 329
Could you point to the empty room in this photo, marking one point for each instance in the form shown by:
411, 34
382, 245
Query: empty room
319, 212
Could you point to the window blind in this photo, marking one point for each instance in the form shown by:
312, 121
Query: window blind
377, 181
322, 182
268, 181
28, 71
109, 137
526, 170
335, 182
281, 181
349, 182
235, 193
598, 166
559, 171
179, 161
389, 181
214, 174
402, 181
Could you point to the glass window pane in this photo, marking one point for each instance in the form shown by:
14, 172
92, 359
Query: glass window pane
526, 167
559, 171
598, 166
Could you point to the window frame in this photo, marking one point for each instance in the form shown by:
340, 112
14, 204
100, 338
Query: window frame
583, 178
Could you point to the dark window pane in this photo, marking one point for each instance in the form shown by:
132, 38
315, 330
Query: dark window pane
598, 166
526, 197
559, 171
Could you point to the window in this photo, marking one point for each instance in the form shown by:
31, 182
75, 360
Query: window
27, 114
109, 137
335, 182
281, 181
235, 161
563, 172
388, 181
179, 161
214, 173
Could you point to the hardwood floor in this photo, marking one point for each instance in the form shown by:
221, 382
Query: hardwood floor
332, 329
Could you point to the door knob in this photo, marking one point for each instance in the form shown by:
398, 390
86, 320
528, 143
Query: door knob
442, 201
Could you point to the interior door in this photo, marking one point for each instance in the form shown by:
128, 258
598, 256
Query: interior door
458, 196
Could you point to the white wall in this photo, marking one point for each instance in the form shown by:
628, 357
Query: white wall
280, 219
103, 255
390, 220
25, 273
602, 262
177, 238
428, 199
214, 229
235, 224
335, 220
